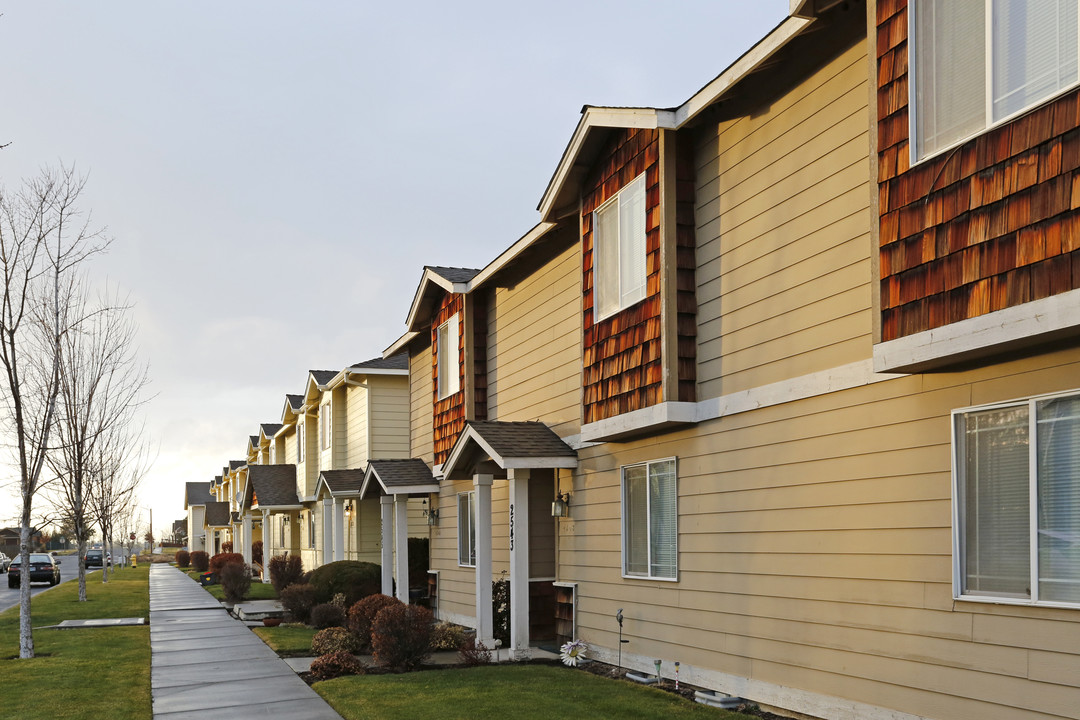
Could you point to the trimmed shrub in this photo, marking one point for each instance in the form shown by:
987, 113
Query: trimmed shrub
401, 636
226, 547
335, 665
235, 579
298, 599
327, 615
183, 558
339, 601
285, 570
500, 610
332, 640
474, 653
362, 615
200, 561
222, 559
355, 579
446, 636
256, 552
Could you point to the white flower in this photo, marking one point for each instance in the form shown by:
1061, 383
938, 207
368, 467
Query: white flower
573, 652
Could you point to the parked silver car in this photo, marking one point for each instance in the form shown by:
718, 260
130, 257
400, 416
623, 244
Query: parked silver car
4, 562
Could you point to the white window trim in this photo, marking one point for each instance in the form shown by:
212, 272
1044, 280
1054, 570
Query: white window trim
326, 423
472, 529
958, 592
597, 254
622, 522
452, 350
300, 439
311, 529
913, 142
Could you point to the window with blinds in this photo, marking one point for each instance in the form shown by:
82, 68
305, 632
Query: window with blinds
448, 351
1018, 501
976, 63
650, 520
467, 528
619, 250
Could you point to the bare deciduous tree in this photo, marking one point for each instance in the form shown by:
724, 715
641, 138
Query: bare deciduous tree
121, 459
43, 240
101, 385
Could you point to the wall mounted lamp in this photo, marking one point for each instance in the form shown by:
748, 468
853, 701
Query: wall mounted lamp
348, 508
561, 506
431, 514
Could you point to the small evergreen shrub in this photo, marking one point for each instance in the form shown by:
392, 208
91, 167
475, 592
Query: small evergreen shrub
298, 599
226, 547
446, 636
473, 653
335, 665
183, 558
362, 615
222, 559
327, 615
200, 561
256, 552
401, 636
353, 578
285, 570
332, 640
339, 601
235, 579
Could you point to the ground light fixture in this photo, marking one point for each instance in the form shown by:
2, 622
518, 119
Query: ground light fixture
561, 506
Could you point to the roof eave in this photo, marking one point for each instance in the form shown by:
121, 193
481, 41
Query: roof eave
400, 344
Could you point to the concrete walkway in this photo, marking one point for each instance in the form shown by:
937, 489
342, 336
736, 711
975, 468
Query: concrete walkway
205, 663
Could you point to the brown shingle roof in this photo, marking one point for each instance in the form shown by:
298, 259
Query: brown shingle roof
236, 464
322, 376
343, 481
217, 514
454, 274
272, 485
295, 402
412, 471
522, 439
269, 429
197, 493
397, 362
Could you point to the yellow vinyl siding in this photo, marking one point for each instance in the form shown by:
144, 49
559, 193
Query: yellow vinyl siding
421, 389
289, 455
357, 405
783, 234
815, 553
389, 407
534, 346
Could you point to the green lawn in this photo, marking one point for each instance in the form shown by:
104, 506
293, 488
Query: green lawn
258, 591
288, 641
81, 673
519, 691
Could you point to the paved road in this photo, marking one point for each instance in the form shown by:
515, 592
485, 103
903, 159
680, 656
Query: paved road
9, 597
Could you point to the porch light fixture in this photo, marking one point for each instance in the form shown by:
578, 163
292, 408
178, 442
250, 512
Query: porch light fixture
432, 514
348, 508
561, 506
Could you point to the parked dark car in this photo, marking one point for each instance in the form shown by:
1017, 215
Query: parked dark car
97, 558
43, 568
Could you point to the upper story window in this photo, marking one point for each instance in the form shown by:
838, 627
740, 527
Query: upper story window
976, 63
449, 357
1017, 525
650, 518
310, 529
326, 422
619, 250
300, 439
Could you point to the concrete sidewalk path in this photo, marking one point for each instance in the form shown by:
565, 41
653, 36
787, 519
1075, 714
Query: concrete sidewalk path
205, 663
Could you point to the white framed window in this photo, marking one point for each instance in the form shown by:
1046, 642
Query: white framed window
326, 423
283, 524
650, 519
977, 63
311, 529
449, 357
1016, 503
619, 250
300, 439
466, 505
273, 454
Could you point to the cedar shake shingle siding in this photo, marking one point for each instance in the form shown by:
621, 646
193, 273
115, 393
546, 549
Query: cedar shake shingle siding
987, 225
622, 360
449, 413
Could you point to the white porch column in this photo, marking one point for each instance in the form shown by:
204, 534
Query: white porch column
485, 624
327, 531
339, 529
386, 506
266, 546
245, 548
519, 564
401, 546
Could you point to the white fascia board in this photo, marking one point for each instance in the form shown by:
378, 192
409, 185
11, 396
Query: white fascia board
509, 255
430, 277
739, 69
593, 117
1013, 327
273, 508
636, 422
400, 344
526, 463
361, 372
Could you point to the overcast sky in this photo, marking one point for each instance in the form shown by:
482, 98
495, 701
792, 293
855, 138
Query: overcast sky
275, 175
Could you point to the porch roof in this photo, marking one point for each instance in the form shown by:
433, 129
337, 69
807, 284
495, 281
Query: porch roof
511, 445
272, 487
217, 514
399, 477
341, 483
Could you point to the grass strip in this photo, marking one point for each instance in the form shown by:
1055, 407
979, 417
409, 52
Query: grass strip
81, 673
518, 691
288, 641
257, 591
